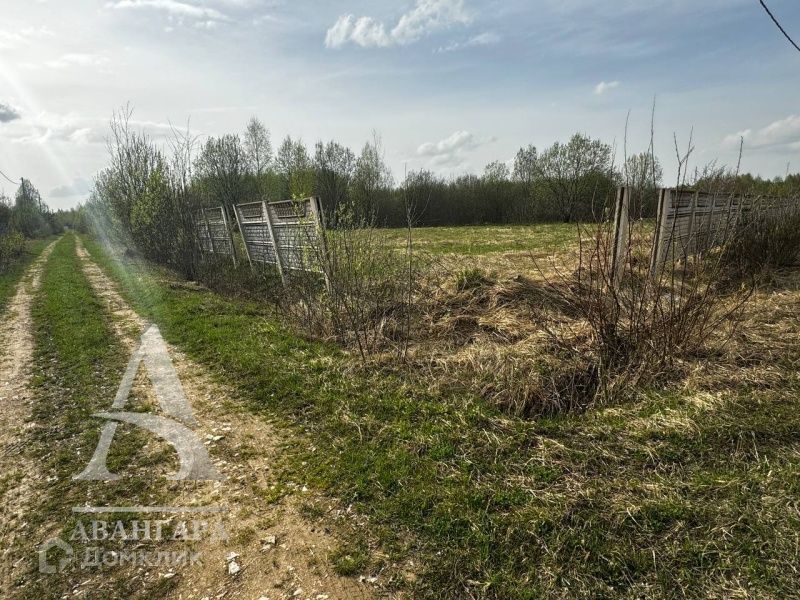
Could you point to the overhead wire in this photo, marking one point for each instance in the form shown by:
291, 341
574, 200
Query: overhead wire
10, 180
783, 31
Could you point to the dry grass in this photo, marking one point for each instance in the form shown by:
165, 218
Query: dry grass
561, 338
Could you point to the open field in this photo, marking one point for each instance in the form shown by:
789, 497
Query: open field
684, 491
392, 482
420, 300
505, 251
485, 239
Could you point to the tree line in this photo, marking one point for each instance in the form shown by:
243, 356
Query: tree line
147, 188
27, 216
566, 182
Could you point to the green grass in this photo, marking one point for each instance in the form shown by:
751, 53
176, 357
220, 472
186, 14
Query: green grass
10, 276
486, 239
662, 497
78, 367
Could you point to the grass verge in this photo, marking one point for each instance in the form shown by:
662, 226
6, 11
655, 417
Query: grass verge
683, 493
10, 277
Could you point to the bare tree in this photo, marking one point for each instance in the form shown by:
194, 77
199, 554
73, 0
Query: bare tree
525, 165
643, 175
258, 147
496, 171
221, 167
372, 177
335, 165
294, 164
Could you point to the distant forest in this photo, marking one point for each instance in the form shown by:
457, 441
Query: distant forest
565, 182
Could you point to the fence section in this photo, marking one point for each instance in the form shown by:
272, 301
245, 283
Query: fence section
691, 222
256, 233
287, 234
213, 232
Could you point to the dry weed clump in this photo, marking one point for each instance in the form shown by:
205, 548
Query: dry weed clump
644, 326
485, 334
478, 305
363, 294
764, 243
572, 337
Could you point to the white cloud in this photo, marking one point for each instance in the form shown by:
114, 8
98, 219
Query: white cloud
487, 38
174, 8
78, 187
427, 17
85, 135
45, 127
77, 60
451, 150
604, 86
26, 35
49, 127
364, 31
780, 133
8, 113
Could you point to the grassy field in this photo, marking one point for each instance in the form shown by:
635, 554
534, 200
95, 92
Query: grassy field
502, 250
688, 491
485, 239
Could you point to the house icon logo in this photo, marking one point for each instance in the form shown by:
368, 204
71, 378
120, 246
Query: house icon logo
53, 561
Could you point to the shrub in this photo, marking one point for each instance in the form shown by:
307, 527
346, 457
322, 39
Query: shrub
361, 296
637, 331
12, 245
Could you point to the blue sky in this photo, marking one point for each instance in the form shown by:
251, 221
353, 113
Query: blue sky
448, 84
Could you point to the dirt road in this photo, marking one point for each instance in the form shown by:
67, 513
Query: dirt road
271, 549
16, 354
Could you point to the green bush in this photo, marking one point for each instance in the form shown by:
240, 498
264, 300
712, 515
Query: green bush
12, 245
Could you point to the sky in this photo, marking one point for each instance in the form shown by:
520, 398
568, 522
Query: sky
449, 85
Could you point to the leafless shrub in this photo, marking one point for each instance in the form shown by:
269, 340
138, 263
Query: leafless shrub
635, 327
359, 298
637, 331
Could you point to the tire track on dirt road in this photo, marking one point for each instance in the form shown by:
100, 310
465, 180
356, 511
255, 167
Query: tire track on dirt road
280, 553
16, 356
